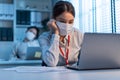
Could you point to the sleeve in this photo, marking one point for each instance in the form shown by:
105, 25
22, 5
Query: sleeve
50, 49
13, 56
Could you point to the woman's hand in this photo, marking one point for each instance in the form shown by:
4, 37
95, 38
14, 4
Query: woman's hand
52, 25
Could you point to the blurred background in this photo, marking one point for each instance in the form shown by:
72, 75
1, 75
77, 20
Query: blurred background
100, 16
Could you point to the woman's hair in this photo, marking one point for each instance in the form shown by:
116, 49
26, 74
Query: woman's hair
62, 6
36, 28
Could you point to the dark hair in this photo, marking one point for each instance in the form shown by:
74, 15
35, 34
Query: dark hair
62, 6
37, 29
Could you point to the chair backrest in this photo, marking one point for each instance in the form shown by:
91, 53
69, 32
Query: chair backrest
6, 49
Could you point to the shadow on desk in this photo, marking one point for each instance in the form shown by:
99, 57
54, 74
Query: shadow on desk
4, 64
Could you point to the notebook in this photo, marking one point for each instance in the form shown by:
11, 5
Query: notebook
33, 53
99, 51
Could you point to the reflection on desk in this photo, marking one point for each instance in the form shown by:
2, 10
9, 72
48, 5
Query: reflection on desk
39, 69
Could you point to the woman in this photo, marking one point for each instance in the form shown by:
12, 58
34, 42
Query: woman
62, 44
30, 40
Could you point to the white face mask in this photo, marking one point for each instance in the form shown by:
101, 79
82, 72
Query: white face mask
64, 28
30, 36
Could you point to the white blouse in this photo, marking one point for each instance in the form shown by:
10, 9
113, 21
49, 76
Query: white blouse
20, 49
50, 43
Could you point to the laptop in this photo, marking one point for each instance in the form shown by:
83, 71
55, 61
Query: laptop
99, 51
33, 53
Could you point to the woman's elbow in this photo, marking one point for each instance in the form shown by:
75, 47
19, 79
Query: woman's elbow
50, 63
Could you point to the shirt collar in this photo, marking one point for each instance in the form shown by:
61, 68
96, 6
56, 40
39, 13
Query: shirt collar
66, 37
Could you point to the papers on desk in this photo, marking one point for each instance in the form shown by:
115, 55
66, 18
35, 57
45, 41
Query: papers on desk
38, 69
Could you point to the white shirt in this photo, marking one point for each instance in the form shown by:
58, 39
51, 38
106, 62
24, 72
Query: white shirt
21, 49
50, 43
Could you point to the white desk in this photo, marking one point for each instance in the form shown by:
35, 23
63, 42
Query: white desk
73, 75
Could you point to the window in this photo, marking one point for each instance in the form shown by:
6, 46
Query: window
117, 12
86, 16
102, 16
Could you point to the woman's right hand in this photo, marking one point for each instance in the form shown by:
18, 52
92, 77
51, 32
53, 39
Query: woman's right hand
52, 25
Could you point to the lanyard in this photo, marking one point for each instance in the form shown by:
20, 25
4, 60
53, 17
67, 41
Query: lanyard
67, 51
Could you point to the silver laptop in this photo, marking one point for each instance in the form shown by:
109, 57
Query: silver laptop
99, 51
33, 53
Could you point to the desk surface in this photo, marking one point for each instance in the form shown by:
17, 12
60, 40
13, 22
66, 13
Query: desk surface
73, 75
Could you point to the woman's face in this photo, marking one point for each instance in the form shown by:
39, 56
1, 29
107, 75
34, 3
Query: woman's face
34, 31
66, 17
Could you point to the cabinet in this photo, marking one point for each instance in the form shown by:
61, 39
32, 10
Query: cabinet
17, 15
6, 20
